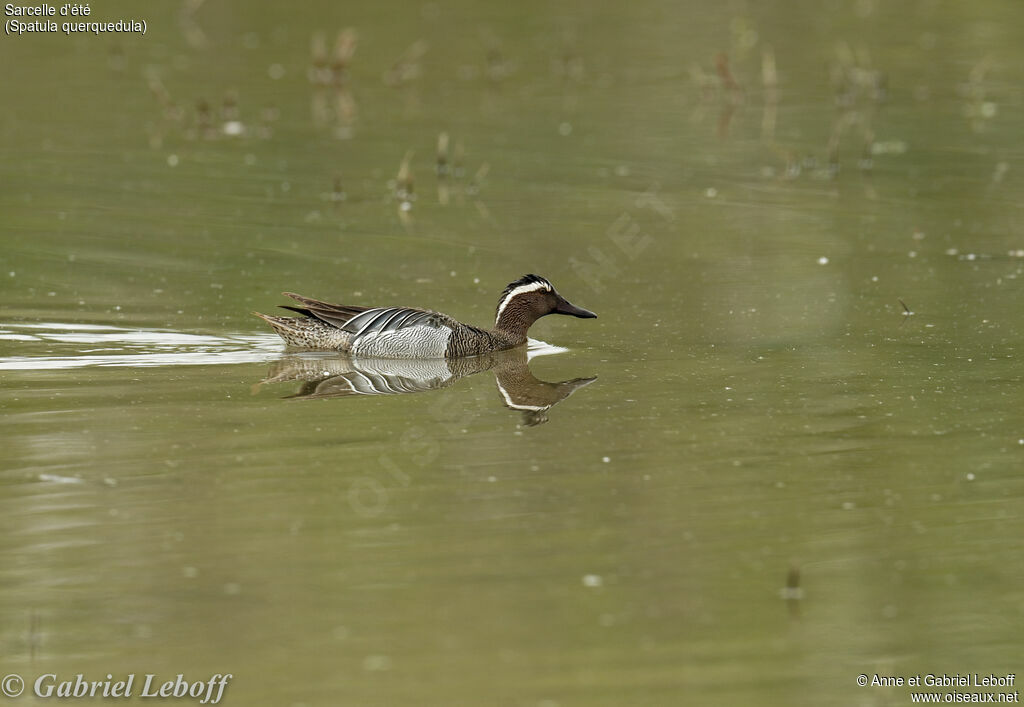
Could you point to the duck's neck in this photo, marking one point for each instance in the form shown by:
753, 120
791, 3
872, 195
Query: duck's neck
513, 322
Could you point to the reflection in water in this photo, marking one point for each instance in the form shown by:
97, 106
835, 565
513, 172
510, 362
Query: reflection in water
793, 593
333, 101
335, 376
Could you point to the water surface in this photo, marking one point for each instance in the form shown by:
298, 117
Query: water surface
798, 463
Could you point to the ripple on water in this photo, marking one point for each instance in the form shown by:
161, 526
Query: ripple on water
98, 345
82, 345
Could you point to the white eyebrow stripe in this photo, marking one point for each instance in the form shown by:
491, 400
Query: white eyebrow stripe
522, 289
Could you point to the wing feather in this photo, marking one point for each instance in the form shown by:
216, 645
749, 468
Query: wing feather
334, 314
366, 322
386, 320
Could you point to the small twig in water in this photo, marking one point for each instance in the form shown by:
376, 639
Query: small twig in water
906, 311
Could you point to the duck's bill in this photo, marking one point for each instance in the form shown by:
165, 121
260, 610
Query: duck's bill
567, 307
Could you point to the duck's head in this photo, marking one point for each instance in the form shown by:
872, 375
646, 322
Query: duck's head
528, 299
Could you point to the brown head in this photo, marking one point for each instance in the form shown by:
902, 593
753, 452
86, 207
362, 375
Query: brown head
528, 299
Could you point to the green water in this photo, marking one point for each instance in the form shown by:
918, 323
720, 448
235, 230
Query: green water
767, 420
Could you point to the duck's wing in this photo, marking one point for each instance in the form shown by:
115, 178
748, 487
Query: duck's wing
363, 321
334, 314
386, 320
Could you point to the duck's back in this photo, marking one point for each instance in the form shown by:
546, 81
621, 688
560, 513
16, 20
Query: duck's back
397, 332
385, 332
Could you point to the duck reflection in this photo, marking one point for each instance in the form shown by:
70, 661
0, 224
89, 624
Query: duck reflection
337, 376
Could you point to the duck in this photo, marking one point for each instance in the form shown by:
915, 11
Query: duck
406, 332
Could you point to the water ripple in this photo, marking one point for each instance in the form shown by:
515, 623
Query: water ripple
98, 345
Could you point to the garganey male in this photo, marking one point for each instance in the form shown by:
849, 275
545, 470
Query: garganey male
402, 332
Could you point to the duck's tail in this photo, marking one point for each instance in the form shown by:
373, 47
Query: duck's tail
307, 333
284, 326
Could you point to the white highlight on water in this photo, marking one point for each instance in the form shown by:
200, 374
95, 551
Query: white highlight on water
96, 345
90, 345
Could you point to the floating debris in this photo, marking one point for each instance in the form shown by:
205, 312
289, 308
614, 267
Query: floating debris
906, 311
770, 83
337, 194
333, 101
344, 50
854, 78
172, 111
407, 67
977, 108
866, 161
1000, 172
481, 174
319, 70
725, 74
792, 593
115, 58
204, 121
194, 35
733, 96
484, 212
569, 66
891, 147
859, 89
442, 155
344, 112
268, 116
450, 169
706, 82
229, 107
405, 183
498, 67
443, 169
458, 157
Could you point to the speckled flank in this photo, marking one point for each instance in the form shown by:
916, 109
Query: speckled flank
308, 333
